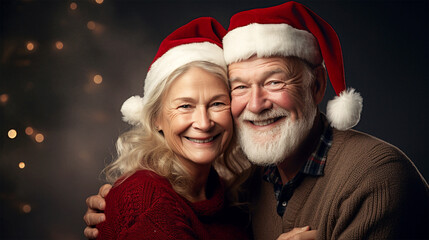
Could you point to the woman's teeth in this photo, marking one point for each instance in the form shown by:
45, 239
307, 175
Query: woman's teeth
200, 141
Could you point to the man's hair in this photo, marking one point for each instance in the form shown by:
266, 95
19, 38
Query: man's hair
144, 147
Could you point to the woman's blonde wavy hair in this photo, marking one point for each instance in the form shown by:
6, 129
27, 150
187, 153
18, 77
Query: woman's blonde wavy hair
143, 147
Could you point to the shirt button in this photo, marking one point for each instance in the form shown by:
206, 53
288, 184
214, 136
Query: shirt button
284, 204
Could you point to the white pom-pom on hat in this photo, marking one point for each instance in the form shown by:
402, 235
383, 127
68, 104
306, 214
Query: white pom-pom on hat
132, 110
343, 112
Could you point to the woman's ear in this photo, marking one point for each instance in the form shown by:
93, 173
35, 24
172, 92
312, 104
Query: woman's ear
319, 84
157, 126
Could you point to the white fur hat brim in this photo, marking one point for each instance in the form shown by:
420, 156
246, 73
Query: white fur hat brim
267, 40
177, 57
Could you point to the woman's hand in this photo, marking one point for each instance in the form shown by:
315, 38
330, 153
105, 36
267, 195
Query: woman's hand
95, 215
303, 233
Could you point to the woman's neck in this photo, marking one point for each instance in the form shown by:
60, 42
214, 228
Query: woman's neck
199, 180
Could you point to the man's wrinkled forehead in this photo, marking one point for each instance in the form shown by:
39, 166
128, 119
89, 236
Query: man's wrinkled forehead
260, 67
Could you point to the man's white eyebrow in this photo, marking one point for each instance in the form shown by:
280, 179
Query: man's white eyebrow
234, 79
272, 72
264, 75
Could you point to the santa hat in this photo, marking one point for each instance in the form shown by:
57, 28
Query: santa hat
291, 29
199, 40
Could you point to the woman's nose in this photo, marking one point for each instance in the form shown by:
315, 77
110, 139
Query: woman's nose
202, 119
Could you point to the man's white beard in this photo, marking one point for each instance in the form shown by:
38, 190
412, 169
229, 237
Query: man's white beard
273, 146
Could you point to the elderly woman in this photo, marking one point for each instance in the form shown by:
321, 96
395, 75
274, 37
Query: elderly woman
166, 185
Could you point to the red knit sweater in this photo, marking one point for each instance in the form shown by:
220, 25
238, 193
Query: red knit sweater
145, 206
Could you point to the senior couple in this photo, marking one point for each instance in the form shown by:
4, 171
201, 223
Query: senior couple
181, 173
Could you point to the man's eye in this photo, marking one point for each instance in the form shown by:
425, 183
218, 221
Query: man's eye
240, 87
274, 85
239, 90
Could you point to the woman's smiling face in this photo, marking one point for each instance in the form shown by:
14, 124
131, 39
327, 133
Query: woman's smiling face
195, 118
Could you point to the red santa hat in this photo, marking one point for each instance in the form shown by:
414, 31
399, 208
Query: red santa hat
291, 29
199, 40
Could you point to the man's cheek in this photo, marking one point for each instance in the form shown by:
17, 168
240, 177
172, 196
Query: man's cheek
236, 108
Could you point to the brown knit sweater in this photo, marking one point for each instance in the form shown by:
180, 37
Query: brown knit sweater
370, 190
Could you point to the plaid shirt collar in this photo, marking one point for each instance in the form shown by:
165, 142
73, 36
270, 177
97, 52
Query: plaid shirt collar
317, 160
314, 166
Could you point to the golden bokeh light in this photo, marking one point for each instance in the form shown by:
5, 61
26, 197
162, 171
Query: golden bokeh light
12, 133
30, 46
29, 131
91, 25
26, 208
4, 98
98, 79
39, 138
59, 45
99, 1
21, 165
73, 6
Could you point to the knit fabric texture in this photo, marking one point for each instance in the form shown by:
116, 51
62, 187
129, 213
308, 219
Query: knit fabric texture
369, 190
145, 206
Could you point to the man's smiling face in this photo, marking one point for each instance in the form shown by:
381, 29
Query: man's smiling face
272, 106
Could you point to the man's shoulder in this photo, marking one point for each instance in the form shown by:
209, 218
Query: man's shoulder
355, 135
356, 142
359, 153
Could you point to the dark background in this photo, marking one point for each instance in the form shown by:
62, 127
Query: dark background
385, 47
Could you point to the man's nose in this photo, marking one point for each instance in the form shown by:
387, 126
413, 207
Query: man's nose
258, 101
202, 119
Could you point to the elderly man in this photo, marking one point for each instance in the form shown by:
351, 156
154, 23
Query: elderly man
311, 170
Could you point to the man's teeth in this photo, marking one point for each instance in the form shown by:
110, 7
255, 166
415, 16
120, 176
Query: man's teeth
263, 123
201, 141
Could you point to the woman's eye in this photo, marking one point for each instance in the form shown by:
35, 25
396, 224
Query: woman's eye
185, 106
217, 104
